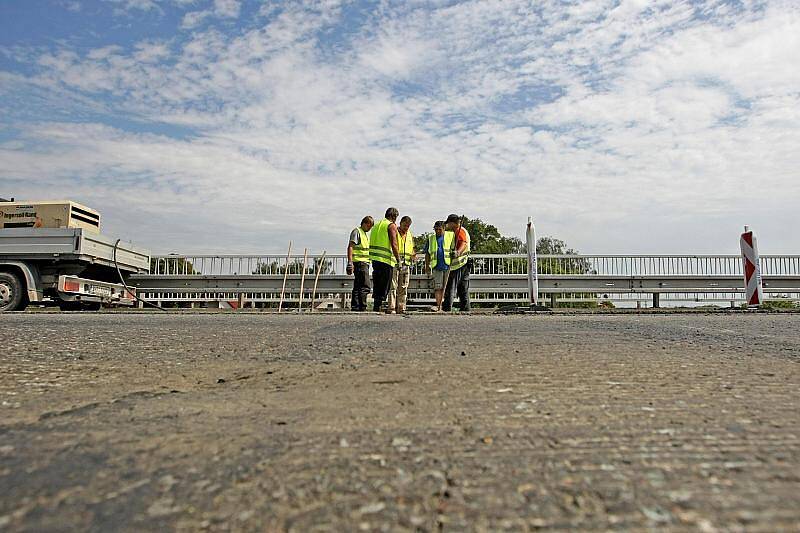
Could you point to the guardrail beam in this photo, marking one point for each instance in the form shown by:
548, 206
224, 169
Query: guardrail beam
495, 278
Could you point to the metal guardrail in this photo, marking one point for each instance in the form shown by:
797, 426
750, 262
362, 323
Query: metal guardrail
494, 278
486, 264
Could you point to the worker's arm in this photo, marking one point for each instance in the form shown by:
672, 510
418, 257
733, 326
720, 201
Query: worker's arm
393, 241
350, 246
427, 260
463, 247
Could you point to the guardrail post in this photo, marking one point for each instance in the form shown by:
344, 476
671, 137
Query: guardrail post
552, 299
656, 300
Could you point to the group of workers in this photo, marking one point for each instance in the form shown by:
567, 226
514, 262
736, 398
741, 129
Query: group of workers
389, 248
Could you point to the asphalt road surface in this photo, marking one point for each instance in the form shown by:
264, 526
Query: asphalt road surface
257, 422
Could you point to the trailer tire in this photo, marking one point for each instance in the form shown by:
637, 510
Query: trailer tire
12, 293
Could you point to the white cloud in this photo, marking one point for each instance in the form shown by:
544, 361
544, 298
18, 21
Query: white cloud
194, 18
227, 8
149, 52
221, 8
104, 52
125, 6
397, 57
627, 127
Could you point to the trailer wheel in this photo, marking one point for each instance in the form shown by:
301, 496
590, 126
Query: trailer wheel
12, 293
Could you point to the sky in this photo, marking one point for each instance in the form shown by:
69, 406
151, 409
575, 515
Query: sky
235, 126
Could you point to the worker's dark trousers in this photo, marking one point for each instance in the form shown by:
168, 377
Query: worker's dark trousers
381, 283
460, 280
361, 286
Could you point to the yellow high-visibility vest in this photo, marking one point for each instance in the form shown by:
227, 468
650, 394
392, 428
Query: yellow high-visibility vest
361, 250
460, 261
433, 248
380, 249
405, 245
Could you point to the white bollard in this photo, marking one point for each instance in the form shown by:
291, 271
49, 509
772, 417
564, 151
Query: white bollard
533, 274
752, 268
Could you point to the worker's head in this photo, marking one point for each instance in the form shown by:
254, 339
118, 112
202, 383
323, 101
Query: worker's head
392, 213
367, 223
438, 228
405, 223
452, 222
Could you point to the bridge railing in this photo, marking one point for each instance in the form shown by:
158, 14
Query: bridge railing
484, 264
497, 279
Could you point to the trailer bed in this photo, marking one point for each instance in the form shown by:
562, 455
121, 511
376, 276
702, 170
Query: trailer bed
71, 244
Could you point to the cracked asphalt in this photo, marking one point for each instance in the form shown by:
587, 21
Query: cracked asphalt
264, 422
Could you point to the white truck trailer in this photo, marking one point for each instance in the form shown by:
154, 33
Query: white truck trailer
75, 268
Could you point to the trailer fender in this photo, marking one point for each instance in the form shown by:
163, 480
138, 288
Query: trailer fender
33, 283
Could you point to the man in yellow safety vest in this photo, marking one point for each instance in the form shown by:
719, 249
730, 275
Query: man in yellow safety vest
437, 259
460, 266
358, 263
384, 254
402, 272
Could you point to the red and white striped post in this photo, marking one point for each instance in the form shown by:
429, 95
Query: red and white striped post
752, 268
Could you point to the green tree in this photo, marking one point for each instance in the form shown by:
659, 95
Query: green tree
295, 267
559, 265
484, 239
172, 265
421, 242
553, 246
